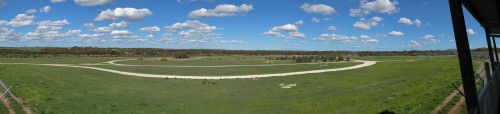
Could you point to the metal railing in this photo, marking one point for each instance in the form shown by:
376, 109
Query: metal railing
489, 95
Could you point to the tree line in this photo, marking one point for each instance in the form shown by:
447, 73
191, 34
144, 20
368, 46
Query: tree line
311, 58
155, 52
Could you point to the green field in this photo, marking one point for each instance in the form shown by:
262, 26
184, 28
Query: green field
225, 71
203, 62
398, 86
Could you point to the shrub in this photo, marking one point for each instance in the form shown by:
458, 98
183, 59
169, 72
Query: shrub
181, 56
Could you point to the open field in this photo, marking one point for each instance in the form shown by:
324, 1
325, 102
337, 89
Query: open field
400, 86
225, 71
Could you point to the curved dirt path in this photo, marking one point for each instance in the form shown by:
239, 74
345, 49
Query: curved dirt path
117, 64
20, 101
457, 109
6, 103
438, 109
365, 64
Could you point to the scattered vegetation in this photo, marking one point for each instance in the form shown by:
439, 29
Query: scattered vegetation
181, 56
309, 59
402, 87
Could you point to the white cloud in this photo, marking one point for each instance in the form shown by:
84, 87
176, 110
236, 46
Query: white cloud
379, 6
428, 36
331, 28
327, 19
8, 35
152, 29
287, 27
192, 29
89, 25
358, 12
471, 32
150, 36
290, 29
122, 24
315, 20
31, 11
421, 43
131, 40
48, 25
45, 9
91, 38
414, 44
221, 11
370, 41
49, 35
435, 40
102, 35
407, 21
364, 36
299, 22
318, 8
296, 34
93, 2
417, 22
73, 32
165, 40
237, 42
366, 24
203, 41
120, 32
395, 33
129, 14
102, 29
19, 21
57, 1
273, 33
335, 37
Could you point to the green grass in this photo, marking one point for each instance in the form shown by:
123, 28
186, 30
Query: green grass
402, 87
62, 60
389, 58
451, 104
225, 71
202, 62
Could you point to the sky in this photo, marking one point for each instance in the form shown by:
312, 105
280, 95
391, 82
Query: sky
353, 25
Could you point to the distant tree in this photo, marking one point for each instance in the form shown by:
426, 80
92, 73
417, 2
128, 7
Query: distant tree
347, 59
340, 58
181, 56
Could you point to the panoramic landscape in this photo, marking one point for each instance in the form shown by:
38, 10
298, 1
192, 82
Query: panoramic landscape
233, 56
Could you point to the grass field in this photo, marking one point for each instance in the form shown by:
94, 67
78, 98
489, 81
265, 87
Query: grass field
225, 71
398, 86
62, 60
203, 62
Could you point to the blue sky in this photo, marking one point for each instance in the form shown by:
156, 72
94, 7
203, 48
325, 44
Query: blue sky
357, 25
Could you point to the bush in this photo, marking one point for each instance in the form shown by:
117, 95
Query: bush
181, 56
163, 59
